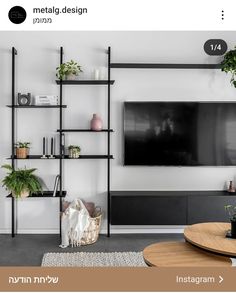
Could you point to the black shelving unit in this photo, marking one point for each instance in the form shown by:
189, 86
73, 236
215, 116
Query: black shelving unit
61, 193
61, 130
14, 107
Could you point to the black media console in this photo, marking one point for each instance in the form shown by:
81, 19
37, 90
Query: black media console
169, 207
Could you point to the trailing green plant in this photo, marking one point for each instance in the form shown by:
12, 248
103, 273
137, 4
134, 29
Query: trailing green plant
20, 180
232, 212
229, 65
67, 68
22, 145
74, 147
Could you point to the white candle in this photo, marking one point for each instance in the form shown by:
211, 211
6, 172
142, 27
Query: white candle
96, 74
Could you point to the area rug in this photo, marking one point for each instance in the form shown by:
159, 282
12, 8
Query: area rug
94, 259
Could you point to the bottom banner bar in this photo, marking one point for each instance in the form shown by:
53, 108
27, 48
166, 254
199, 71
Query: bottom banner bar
117, 279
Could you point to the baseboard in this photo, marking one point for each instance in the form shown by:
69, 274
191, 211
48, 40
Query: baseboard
31, 231
114, 230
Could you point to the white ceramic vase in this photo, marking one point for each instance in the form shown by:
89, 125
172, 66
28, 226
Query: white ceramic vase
71, 76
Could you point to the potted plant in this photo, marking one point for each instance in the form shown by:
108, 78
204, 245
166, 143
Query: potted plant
21, 182
68, 70
229, 65
232, 215
22, 149
74, 151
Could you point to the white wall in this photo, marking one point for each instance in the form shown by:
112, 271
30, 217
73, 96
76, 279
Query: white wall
38, 56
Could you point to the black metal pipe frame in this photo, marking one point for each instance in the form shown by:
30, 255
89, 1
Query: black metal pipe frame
60, 144
108, 140
14, 53
61, 157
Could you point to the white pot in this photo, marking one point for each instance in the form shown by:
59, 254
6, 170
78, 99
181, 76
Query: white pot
71, 76
74, 153
25, 193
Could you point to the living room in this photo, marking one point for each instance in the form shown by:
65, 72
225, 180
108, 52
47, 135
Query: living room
35, 222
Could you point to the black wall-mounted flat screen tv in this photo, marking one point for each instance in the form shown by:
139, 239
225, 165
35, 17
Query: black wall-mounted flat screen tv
180, 133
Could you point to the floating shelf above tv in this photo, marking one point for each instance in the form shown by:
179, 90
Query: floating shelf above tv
165, 66
84, 130
84, 82
35, 107
45, 194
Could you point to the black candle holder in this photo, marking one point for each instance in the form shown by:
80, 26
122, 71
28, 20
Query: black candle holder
44, 156
52, 149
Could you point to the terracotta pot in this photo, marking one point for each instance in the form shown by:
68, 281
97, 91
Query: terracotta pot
22, 153
96, 123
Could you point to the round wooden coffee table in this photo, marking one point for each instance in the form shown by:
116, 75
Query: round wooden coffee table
211, 237
182, 254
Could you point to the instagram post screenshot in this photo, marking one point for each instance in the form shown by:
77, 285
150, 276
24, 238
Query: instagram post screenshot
117, 146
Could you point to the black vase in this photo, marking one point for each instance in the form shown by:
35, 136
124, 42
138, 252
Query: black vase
233, 229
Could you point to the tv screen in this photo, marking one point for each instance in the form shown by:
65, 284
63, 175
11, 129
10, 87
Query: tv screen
180, 133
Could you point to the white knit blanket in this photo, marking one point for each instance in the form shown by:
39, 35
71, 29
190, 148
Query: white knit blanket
75, 221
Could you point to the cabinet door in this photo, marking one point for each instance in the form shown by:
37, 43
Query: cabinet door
208, 208
148, 210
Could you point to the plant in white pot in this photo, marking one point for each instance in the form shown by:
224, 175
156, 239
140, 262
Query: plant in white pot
74, 151
21, 182
68, 70
22, 149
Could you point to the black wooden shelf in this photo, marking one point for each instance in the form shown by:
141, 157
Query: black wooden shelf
91, 157
165, 66
45, 194
84, 130
39, 157
35, 157
84, 82
35, 107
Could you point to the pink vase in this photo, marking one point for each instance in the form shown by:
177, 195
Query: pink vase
96, 123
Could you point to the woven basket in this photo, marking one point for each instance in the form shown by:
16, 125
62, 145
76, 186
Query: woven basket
92, 232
